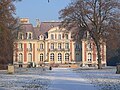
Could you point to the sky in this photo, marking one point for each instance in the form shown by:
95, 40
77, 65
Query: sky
40, 9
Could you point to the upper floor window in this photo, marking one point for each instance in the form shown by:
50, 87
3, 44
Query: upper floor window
66, 36
89, 46
66, 45
77, 46
59, 36
59, 46
20, 36
29, 35
41, 46
29, 45
20, 45
52, 46
52, 36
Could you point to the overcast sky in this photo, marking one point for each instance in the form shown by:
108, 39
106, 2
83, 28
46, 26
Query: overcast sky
40, 9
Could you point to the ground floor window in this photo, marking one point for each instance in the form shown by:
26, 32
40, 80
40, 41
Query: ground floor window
41, 57
67, 57
59, 57
20, 57
29, 57
89, 57
52, 56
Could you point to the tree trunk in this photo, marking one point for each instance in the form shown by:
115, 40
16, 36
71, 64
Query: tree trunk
99, 55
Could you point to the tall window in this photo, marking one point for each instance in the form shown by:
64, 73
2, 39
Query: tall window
67, 57
29, 57
77, 46
41, 46
21, 57
20, 35
59, 57
89, 46
29, 35
41, 57
29, 45
52, 56
20, 46
52, 36
66, 45
89, 57
59, 36
59, 46
52, 46
66, 36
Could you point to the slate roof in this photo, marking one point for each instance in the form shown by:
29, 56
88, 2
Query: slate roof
37, 31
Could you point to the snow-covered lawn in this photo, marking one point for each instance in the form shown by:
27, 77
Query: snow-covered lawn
24, 79
60, 79
105, 79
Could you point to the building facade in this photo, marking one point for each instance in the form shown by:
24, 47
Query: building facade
48, 43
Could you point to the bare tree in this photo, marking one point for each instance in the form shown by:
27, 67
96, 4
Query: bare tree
8, 24
98, 17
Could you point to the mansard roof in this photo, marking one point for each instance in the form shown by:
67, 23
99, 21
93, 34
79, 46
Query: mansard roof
37, 31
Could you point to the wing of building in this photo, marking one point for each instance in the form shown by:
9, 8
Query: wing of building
48, 43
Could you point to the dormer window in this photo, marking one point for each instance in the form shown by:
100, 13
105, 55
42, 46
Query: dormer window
20, 36
41, 37
29, 35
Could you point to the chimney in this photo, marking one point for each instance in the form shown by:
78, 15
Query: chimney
24, 21
37, 23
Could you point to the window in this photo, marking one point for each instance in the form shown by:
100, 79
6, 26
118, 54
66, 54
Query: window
67, 57
29, 45
20, 46
29, 35
41, 46
20, 35
52, 46
21, 57
52, 56
41, 57
59, 57
52, 36
89, 46
77, 46
89, 57
59, 36
59, 46
66, 36
29, 57
66, 45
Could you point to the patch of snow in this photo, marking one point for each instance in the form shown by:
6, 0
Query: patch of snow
105, 79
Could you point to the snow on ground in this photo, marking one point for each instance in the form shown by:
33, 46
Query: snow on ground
66, 79
60, 79
105, 79
24, 79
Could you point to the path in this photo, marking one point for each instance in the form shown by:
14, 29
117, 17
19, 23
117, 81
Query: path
66, 79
